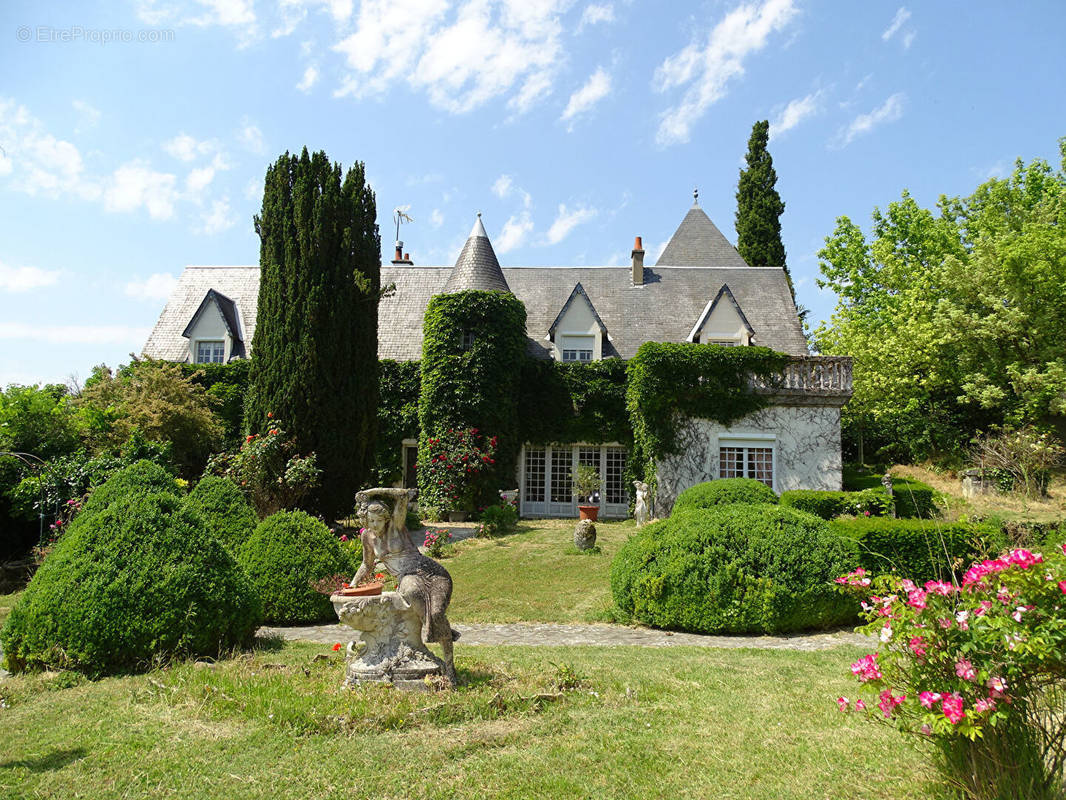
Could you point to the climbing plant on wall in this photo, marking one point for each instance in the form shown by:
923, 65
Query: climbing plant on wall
473, 347
671, 381
574, 402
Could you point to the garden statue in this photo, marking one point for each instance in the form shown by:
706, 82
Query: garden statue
886, 481
421, 582
641, 506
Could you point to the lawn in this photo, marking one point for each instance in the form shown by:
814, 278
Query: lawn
641, 722
534, 574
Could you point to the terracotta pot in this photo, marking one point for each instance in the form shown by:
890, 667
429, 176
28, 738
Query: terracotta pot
364, 590
457, 516
588, 512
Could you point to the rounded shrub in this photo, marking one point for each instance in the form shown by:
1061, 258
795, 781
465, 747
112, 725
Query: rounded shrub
137, 480
224, 510
286, 553
725, 490
737, 568
129, 583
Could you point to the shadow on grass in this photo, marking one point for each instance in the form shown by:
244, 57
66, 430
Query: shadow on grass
57, 759
472, 678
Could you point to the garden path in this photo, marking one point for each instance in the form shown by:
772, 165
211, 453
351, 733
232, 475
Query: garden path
532, 634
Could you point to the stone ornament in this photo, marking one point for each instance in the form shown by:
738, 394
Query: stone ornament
389, 646
642, 504
423, 584
585, 535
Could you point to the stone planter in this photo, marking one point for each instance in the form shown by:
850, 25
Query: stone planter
364, 590
389, 646
588, 512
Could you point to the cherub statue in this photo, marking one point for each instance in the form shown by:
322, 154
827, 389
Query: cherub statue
422, 582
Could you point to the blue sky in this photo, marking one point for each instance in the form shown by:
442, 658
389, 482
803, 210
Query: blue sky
135, 136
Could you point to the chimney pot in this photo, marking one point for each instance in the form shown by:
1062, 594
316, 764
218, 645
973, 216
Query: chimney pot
406, 256
638, 244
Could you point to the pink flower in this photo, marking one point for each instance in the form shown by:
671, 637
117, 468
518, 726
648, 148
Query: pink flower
866, 668
981, 706
996, 686
907, 585
916, 599
961, 618
886, 632
983, 608
917, 645
860, 705
952, 707
939, 587
843, 703
1024, 559
889, 701
344, 537
945, 622
1017, 615
929, 699
926, 730
1062, 586
964, 669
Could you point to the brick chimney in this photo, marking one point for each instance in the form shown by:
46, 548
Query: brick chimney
400, 256
638, 262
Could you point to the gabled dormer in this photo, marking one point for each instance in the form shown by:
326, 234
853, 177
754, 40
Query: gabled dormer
722, 322
214, 332
578, 333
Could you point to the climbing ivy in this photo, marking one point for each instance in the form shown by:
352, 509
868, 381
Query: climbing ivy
574, 402
473, 348
668, 381
399, 383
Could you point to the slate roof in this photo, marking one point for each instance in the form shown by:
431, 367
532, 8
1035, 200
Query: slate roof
239, 285
477, 266
697, 242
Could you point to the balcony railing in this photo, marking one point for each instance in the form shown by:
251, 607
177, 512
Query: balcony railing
812, 377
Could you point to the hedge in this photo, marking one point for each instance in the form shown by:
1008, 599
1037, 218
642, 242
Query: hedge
725, 490
139, 478
131, 582
828, 505
286, 553
913, 498
735, 569
921, 550
224, 510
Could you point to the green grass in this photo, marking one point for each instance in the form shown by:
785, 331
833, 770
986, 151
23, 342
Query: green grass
644, 722
535, 574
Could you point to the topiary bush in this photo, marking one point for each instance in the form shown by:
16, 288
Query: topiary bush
134, 581
725, 490
224, 510
286, 553
739, 568
921, 550
139, 479
828, 505
914, 499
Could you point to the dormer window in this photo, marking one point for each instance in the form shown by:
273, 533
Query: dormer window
577, 348
722, 322
578, 333
211, 352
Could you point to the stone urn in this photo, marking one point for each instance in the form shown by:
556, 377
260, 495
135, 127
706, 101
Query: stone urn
388, 647
585, 535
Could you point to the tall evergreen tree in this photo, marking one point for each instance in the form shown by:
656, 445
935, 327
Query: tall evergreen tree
314, 354
759, 206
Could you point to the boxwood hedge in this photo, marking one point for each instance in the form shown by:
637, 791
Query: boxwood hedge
130, 582
725, 490
738, 568
286, 553
827, 505
224, 510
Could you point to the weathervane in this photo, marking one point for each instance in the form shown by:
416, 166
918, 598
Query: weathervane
695, 197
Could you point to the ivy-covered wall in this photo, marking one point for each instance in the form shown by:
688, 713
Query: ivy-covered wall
473, 348
399, 385
574, 402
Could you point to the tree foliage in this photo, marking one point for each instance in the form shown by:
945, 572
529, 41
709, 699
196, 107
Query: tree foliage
955, 317
314, 354
759, 206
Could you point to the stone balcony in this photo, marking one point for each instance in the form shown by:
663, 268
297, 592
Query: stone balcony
810, 380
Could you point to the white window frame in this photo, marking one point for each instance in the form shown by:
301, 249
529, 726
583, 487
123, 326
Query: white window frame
749, 440
215, 343
583, 354
547, 508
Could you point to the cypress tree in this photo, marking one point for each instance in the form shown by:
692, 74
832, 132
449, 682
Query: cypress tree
314, 353
759, 206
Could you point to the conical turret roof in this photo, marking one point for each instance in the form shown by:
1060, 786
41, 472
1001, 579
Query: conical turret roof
697, 242
477, 266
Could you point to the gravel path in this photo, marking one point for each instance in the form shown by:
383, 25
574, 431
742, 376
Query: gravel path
533, 634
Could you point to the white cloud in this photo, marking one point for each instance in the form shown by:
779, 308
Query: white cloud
514, 233
567, 220
155, 287
908, 39
219, 218
237, 14
595, 13
795, 112
708, 69
37, 162
309, 79
888, 111
88, 115
461, 56
595, 89
503, 185
23, 279
897, 22
135, 185
75, 334
436, 218
186, 148
253, 190
251, 137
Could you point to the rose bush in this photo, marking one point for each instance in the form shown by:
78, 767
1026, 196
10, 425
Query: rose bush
459, 462
977, 666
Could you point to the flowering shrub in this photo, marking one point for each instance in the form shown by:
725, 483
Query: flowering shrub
267, 468
977, 665
498, 519
453, 473
436, 542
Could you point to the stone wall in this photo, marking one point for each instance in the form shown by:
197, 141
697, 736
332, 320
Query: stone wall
806, 450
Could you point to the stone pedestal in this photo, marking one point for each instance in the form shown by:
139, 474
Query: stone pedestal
585, 535
389, 646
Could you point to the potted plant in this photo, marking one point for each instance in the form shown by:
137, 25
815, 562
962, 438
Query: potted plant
586, 482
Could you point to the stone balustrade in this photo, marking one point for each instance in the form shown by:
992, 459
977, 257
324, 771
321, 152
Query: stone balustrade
817, 380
